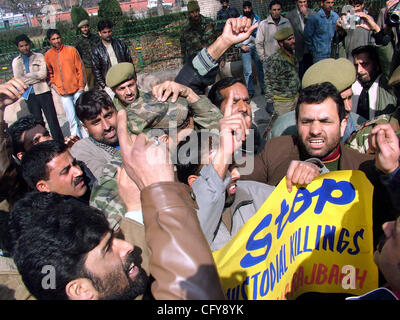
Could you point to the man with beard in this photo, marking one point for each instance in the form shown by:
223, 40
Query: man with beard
321, 122
89, 262
372, 94
197, 33
249, 53
84, 43
206, 162
98, 115
282, 81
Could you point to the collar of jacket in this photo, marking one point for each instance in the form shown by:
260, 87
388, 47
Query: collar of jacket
242, 198
270, 20
120, 106
106, 147
322, 13
58, 50
286, 56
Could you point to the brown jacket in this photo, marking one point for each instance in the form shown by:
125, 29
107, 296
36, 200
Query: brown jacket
181, 261
271, 166
37, 75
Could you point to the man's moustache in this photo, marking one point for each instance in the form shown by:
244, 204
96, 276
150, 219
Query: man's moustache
78, 180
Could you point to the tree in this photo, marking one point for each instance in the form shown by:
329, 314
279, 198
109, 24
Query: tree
78, 14
110, 10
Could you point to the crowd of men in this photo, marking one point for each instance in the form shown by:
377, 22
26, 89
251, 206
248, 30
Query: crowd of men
149, 184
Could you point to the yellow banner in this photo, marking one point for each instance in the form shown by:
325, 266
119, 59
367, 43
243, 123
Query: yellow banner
314, 239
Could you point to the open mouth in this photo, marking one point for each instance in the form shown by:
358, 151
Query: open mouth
79, 182
232, 189
133, 270
316, 142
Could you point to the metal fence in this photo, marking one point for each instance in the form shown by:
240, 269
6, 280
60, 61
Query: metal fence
154, 45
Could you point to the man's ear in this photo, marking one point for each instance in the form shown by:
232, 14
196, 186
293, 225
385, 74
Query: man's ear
191, 179
81, 289
42, 186
343, 125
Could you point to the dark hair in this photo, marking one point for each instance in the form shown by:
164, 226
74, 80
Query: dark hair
372, 54
20, 219
34, 162
247, 4
50, 33
317, 93
191, 151
104, 24
22, 37
18, 128
274, 2
215, 95
357, 2
59, 236
90, 104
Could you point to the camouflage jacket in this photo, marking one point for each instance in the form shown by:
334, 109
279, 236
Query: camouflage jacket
205, 114
104, 195
281, 77
359, 139
84, 46
194, 38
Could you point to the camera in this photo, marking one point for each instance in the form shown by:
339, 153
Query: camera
393, 14
349, 19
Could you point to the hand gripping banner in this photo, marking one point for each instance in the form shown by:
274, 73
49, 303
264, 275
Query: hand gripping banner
314, 239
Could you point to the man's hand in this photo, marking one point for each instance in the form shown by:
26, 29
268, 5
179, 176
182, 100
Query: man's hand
233, 131
169, 88
11, 91
384, 142
128, 191
145, 161
301, 173
368, 22
245, 48
236, 30
303, 8
70, 141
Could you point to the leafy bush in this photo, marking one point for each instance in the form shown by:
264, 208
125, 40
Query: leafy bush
78, 14
110, 10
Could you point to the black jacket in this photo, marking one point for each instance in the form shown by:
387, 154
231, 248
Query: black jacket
101, 61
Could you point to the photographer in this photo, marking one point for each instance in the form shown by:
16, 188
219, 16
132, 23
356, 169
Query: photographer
354, 36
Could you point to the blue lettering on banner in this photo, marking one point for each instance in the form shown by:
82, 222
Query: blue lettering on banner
303, 197
264, 281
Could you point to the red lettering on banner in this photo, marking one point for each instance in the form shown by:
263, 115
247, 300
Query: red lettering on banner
321, 274
362, 278
334, 274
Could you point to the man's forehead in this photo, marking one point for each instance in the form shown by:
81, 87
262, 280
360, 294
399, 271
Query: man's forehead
238, 89
60, 161
360, 57
328, 106
125, 84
